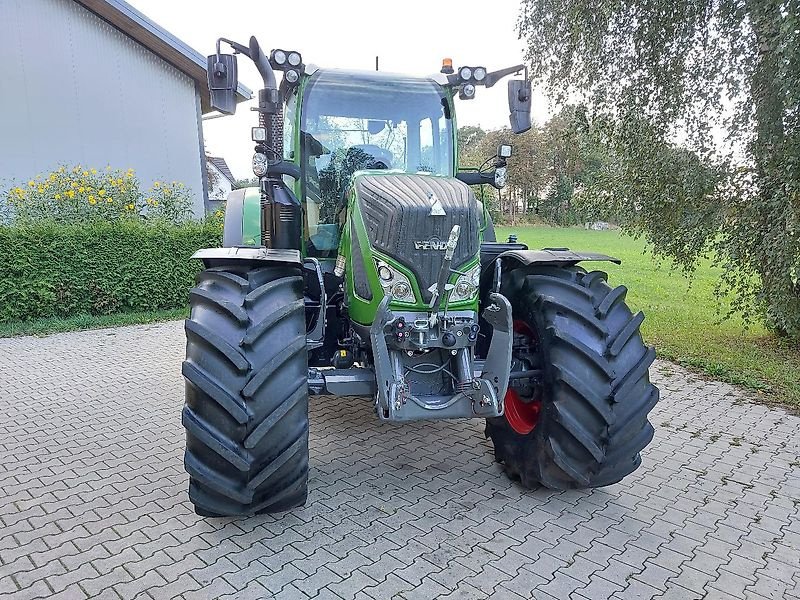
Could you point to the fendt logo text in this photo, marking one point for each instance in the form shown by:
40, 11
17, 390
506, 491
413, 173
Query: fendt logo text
431, 244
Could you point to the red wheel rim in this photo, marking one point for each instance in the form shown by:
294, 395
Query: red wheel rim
522, 416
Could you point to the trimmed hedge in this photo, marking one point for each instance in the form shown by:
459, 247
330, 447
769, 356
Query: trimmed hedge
53, 270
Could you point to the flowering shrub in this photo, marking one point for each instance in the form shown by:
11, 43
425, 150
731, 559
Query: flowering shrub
78, 194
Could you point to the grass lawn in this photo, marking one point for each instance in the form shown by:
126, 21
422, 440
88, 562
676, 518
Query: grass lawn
682, 321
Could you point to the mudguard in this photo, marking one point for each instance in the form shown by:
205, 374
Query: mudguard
215, 257
242, 218
512, 255
556, 256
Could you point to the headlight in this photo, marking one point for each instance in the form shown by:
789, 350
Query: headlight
385, 273
466, 287
479, 73
259, 164
402, 291
467, 91
394, 283
465, 73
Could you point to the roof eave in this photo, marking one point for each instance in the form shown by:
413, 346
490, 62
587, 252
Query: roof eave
158, 40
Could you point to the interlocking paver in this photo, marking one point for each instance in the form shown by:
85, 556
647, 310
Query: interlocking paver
93, 502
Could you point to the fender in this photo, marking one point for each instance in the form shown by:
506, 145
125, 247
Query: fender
242, 218
553, 256
512, 255
247, 255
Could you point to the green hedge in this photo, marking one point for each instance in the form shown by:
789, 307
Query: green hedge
52, 270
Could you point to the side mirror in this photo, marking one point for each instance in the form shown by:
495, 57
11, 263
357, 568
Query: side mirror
519, 104
222, 82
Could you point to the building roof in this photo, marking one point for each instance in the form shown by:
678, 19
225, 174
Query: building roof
222, 167
160, 42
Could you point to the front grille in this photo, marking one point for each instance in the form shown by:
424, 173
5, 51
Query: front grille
396, 209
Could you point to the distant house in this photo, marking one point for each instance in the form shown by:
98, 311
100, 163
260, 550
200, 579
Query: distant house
220, 178
96, 83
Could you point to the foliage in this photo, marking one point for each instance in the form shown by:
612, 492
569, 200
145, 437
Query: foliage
79, 195
552, 164
681, 316
722, 77
245, 183
99, 268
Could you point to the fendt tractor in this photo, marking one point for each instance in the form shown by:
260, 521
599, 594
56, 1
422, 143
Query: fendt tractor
364, 265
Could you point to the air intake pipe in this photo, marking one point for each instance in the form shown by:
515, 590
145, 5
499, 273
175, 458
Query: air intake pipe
281, 217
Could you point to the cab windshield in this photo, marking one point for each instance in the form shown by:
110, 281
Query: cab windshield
354, 121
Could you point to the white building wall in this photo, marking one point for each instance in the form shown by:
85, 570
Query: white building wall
76, 90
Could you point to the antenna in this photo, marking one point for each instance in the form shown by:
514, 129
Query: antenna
376, 63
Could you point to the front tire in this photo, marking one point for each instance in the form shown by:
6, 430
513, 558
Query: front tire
583, 422
246, 411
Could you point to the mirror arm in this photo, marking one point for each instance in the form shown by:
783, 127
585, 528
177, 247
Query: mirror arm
495, 76
254, 53
238, 48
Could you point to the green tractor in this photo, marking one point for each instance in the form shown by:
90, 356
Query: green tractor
364, 265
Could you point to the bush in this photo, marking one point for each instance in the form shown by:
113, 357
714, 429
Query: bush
78, 195
57, 270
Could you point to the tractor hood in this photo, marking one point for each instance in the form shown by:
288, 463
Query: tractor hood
408, 217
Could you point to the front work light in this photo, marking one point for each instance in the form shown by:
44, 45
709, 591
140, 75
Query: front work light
294, 59
279, 57
258, 134
467, 91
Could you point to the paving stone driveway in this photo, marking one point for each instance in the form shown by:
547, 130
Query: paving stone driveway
93, 499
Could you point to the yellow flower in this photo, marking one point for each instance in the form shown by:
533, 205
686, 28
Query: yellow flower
109, 199
61, 169
70, 194
155, 202
58, 196
74, 184
92, 200
156, 184
94, 171
19, 191
85, 173
81, 189
40, 188
101, 193
129, 206
31, 183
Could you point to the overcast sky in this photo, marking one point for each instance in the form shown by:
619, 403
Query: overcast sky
411, 37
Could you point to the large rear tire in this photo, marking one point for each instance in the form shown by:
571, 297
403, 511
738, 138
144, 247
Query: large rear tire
246, 411
584, 422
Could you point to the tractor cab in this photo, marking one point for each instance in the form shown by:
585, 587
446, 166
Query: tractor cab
354, 121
